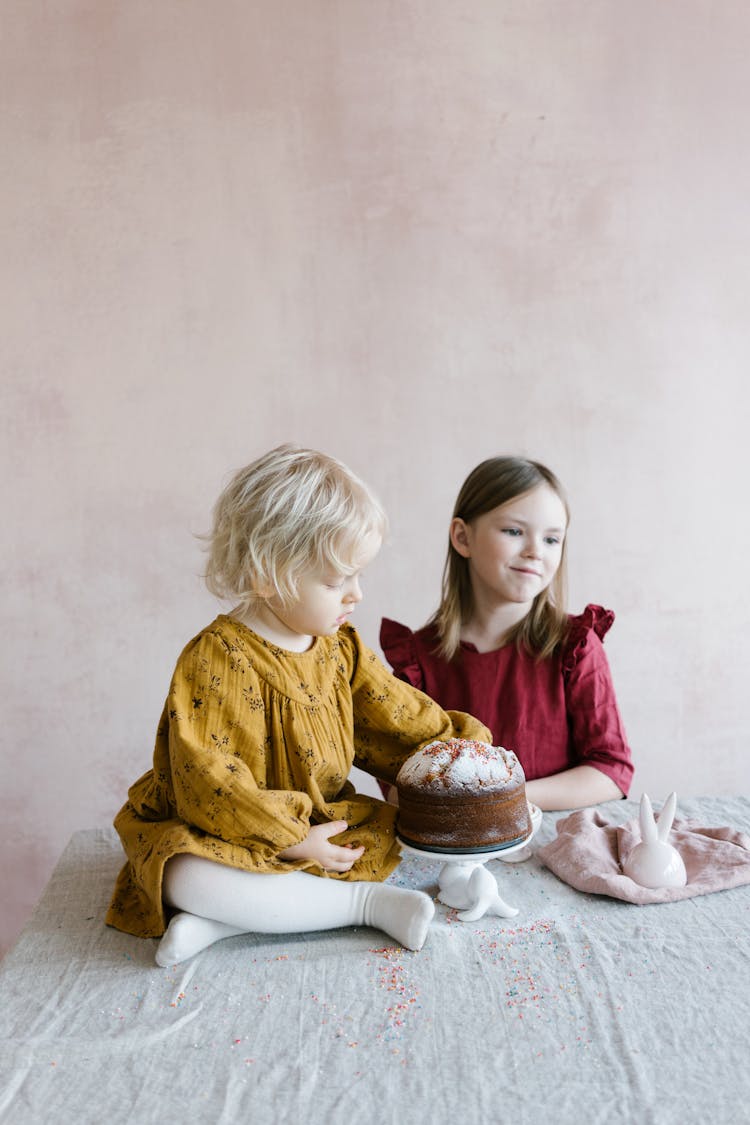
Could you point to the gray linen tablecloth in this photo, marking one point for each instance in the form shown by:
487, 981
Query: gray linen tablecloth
581, 1009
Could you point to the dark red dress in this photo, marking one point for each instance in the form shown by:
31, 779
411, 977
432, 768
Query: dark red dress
554, 713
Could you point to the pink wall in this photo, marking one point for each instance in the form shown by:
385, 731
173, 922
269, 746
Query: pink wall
414, 234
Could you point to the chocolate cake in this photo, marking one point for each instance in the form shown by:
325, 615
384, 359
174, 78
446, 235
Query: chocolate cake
462, 796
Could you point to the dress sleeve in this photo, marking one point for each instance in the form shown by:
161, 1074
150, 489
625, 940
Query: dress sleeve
597, 729
393, 719
397, 642
216, 742
594, 617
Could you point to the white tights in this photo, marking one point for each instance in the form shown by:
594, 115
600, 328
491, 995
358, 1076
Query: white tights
216, 901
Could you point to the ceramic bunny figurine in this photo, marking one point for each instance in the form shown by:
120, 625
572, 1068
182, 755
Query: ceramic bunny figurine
654, 862
471, 888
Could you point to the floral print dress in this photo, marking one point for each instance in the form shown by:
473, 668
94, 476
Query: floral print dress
254, 746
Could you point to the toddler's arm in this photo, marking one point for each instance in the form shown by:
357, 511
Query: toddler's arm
392, 719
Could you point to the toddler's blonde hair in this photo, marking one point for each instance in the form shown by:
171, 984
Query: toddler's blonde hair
291, 511
492, 483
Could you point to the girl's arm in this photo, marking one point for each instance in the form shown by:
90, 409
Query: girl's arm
603, 769
572, 789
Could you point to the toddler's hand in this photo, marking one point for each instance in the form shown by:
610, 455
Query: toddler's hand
317, 845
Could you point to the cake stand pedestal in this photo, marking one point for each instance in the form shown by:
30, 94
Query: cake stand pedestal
464, 882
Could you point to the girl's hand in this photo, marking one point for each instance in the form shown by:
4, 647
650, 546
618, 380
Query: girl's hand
317, 845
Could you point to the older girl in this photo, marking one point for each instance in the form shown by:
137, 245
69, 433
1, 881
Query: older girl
502, 646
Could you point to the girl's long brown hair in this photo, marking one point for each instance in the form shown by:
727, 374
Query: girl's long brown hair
492, 483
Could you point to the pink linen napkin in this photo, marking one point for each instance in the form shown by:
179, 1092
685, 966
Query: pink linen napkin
588, 851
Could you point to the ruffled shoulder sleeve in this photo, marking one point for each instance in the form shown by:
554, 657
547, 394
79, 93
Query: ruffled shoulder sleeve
399, 645
594, 620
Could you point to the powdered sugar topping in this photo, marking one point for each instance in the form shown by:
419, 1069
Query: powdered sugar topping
461, 763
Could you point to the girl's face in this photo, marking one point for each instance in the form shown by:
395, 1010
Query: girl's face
325, 600
514, 550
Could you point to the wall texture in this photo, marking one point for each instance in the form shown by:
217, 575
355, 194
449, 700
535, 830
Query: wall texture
413, 233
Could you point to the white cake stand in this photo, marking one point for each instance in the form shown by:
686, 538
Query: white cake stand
464, 882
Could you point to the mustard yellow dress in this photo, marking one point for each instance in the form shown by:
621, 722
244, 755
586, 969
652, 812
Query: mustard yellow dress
254, 746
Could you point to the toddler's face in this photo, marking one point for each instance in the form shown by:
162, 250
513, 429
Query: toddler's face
326, 599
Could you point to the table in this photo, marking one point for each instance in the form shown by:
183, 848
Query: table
581, 1009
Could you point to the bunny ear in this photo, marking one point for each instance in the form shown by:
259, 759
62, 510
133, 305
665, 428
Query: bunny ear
648, 824
666, 816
